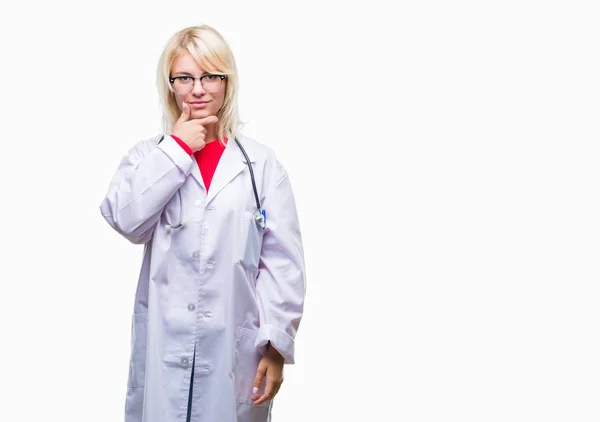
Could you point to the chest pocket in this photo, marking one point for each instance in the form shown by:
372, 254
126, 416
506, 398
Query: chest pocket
249, 242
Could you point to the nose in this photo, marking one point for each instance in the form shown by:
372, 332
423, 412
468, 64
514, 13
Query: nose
198, 89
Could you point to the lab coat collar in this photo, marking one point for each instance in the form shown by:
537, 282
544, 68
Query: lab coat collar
232, 163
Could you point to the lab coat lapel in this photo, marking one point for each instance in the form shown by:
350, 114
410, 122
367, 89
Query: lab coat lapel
196, 173
232, 162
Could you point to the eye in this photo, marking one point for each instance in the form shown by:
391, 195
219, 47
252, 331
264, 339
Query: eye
184, 79
210, 77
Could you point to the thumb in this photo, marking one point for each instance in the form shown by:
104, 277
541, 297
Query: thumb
185, 113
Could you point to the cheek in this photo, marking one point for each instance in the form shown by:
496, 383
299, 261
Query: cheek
220, 101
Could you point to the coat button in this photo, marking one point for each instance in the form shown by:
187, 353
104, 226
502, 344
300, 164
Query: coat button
184, 361
191, 307
196, 254
210, 263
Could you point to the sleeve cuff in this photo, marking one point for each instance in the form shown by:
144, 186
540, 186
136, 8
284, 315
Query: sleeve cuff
279, 339
182, 144
181, 159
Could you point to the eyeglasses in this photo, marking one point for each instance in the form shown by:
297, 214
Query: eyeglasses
183, 85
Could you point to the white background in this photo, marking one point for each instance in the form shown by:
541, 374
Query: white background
444, 158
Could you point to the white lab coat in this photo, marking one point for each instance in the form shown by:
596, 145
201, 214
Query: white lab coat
219, 282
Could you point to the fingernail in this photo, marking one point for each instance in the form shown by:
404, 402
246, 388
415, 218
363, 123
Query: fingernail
184, 105
254, 390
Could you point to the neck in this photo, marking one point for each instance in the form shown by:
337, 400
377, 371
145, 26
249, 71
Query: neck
211, 134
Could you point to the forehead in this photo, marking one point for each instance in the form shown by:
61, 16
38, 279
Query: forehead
185, 63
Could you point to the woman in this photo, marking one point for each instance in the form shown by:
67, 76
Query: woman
221, 289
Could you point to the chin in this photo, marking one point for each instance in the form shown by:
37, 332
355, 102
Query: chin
197, 114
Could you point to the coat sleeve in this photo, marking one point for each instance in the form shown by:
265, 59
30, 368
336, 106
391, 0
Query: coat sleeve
280, 284
147, 178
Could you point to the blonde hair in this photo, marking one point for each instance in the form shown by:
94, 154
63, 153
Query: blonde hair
213, 55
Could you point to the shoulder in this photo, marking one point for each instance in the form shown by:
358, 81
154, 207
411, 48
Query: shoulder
150, 143
263, 156
144, 146
257, 151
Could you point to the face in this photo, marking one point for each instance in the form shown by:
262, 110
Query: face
202, 103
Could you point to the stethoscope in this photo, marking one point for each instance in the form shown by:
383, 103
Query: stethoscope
259, 215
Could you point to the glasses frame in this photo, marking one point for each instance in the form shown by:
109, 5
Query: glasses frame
200, 78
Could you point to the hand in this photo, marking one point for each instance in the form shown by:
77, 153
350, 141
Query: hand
192, 132
271, 366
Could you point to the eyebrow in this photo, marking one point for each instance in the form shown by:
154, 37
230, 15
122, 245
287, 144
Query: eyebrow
189, 74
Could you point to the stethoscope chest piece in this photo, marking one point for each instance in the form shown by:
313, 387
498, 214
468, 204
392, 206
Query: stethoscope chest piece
260, 218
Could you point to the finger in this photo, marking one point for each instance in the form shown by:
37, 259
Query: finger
208, 120
258, 379
268, 392
261, 400
256, 394
185, 113
277, 387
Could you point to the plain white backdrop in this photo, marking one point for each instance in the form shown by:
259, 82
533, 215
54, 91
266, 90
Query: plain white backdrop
444, 158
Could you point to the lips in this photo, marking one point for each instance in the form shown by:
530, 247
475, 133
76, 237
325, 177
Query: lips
198, 104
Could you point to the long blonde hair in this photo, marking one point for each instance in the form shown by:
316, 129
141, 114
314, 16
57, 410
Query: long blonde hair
212, 54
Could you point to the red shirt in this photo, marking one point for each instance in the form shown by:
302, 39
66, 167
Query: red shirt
207, 158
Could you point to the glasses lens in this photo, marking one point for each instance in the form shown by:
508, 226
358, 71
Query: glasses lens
211, 83
183, 86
